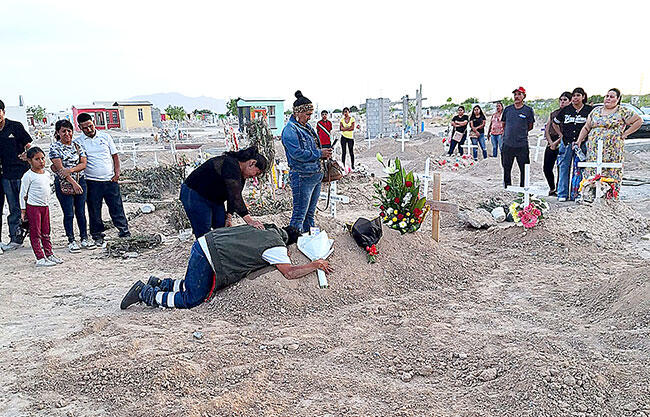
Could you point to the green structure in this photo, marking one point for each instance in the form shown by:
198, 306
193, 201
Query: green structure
272, 109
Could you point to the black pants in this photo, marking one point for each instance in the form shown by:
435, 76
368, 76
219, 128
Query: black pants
453, 144
550, 156
349, 143
508, 155
109, 192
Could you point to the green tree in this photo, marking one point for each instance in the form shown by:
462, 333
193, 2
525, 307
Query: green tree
288, 112
596, 98
337, 111
354, 109
449, 100
176, 112
232, 107
506, 101
38, 112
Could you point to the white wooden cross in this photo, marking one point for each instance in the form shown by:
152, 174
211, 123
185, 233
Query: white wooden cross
403, 140
539, 145
469, 145
599, 165
334, 198
526, 189
370, 140
426, 177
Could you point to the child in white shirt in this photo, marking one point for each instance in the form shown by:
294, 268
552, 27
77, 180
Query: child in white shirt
34, 198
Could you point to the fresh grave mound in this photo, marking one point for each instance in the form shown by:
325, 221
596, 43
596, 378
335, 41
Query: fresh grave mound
405, 263
151, 184
416, 151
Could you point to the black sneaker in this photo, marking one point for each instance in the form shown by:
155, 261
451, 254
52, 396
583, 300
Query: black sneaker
133, 296
552, 193
125, 234
154, 281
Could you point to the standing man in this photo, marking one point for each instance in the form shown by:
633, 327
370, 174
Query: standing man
324, 130
14, 141
518, 119
567, 124
102, 173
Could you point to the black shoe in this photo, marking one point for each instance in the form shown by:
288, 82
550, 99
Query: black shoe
125, 234
154, 281
552, 193
133, 296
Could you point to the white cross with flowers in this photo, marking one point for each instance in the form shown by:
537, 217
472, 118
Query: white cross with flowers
334, 198
469, 145
599, 165
426, 177
403, 140
526, 189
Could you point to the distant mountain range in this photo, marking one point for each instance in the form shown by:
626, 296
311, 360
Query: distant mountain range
162, 100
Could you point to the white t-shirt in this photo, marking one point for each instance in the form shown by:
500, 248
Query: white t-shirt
276, 255
100, 151
37, 189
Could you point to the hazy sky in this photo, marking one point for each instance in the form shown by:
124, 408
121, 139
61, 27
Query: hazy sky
337, 52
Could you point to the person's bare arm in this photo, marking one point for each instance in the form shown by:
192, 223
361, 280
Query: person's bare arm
116, 167
582, 136
298, 271
635, 123
530, 126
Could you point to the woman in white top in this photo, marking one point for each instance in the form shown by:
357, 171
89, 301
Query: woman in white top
34, 199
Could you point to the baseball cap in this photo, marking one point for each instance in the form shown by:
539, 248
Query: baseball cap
520, 89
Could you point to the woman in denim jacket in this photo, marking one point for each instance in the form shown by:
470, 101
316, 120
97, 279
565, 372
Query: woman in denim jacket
303, 155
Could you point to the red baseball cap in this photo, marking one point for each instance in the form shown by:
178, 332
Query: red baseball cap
520, 89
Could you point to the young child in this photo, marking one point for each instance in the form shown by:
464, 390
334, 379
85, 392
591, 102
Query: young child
34, 197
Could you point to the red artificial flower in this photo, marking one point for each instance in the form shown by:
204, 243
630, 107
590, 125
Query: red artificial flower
387, 188
408, 183
417, 212
456, 164
400, 216
444, 161
382, 207
382, 214
396, 200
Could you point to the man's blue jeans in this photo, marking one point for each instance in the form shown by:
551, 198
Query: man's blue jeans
306, 191
204, 215
196, 285
109, 192
12, 192
481, 142
497, 144
565, 165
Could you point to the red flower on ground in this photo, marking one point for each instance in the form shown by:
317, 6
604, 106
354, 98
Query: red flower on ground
382, 207
417, 212
456, 164
408, 183
382, 214
400, 216
387, 188
396, 200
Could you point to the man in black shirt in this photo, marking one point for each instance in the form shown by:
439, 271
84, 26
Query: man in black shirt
567, 124
14, 141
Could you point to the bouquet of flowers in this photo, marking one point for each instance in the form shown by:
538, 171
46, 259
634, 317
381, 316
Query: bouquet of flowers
372, 254
607, 187
528, 216
401, 207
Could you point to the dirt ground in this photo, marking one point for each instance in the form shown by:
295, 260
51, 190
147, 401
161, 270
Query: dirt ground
497, 322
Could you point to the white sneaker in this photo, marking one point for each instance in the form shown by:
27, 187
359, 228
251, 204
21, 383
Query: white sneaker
87, 244
11, 246
73, 247
44, 262
55, 259
561, 199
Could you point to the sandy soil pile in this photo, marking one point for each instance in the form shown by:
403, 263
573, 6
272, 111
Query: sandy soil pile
497, 322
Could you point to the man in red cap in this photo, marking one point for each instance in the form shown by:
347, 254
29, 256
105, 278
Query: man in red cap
518, 120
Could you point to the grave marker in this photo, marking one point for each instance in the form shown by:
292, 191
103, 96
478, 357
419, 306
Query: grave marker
403, 140
539, 145
526, 189
599, 165
438, 206
334, 198
426, 177
469, 145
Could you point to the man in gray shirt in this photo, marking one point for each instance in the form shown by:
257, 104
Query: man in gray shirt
518, 120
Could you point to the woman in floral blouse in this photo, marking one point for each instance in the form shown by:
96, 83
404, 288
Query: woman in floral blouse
611, 123
68, 163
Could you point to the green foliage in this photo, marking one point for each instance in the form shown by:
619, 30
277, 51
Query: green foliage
176, 112
288, 112
204, 111
38, 112
401, 207
260, 135
469, 102
506, 101
354, 109
337, 111
231, 107
449, 100
596, 98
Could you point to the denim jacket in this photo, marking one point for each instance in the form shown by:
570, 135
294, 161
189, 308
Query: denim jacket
300, 147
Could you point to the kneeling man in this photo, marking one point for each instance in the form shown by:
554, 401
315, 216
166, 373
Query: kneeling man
221, 258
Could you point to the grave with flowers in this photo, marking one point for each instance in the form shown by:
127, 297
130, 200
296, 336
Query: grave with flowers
528, 214
400, 204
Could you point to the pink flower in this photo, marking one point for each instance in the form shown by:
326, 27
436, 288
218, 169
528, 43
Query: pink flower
528, 221
536, 212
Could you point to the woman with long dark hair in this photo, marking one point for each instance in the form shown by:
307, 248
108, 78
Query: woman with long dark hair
477, 126
552, 143
219, 180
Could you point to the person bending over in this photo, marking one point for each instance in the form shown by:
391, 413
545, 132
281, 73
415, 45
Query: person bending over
221, 258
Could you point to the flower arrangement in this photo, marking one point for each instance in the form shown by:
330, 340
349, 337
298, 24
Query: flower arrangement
607, 186
530, 215
401, 207
372, 254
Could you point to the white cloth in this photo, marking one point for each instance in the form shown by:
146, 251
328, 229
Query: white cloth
100, 151
276, 255
37, 189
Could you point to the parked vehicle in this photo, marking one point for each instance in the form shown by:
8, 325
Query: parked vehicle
644, 130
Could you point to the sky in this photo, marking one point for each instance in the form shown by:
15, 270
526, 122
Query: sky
338, 53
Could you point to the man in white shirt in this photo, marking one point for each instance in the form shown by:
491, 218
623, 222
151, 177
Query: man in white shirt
102, 173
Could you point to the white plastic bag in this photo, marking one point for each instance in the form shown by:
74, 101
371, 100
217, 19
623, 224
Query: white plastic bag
317, 246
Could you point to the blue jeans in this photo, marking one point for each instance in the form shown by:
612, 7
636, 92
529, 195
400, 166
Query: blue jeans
565, 165
306, 191
73, 206
12, 192
109, 192
481, 141
204, 215
497, 144
195, 287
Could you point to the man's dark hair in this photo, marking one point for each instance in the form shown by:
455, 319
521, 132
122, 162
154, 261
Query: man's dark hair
581, 91
249, 153
293, 234
31, 152
346, 108
324, 112
2, 105
83, 117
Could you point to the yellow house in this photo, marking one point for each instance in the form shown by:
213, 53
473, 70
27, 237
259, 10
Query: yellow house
135, 114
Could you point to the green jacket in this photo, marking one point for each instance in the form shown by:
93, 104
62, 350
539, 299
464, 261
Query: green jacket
235, 252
